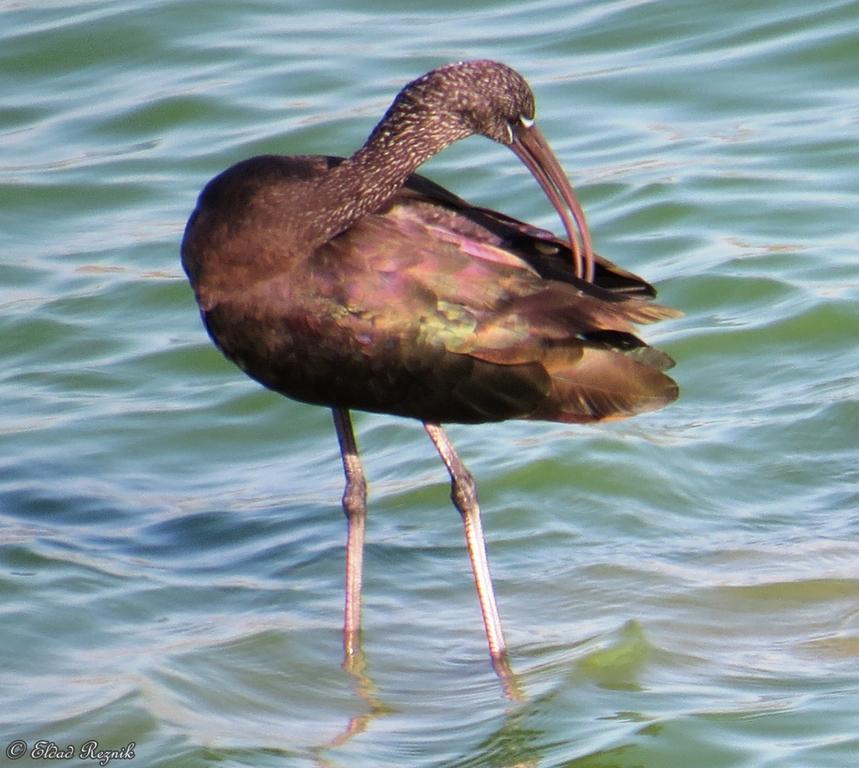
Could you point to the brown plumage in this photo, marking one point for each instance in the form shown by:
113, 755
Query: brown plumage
356, 284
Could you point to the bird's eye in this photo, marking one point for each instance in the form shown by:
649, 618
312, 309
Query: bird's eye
526, 122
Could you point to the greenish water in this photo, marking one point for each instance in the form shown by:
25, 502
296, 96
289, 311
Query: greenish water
681, 589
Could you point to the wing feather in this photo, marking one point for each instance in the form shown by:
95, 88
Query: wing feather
481, 324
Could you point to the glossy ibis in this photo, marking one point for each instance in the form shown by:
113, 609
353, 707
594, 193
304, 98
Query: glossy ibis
354, 283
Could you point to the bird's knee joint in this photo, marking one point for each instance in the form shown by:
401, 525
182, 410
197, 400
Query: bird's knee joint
355, 499
463, 491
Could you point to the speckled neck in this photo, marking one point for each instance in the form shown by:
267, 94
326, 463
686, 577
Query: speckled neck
430, 113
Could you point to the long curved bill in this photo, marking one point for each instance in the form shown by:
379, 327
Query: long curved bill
533, 150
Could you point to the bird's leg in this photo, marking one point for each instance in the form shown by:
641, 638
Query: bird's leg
355, 508
464, 495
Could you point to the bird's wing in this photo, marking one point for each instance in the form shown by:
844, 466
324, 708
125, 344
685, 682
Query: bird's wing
425, 292
548, 254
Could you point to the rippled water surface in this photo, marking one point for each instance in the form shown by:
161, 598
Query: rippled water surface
679, 589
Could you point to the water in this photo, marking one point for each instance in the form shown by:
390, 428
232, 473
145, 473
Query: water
679, 589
